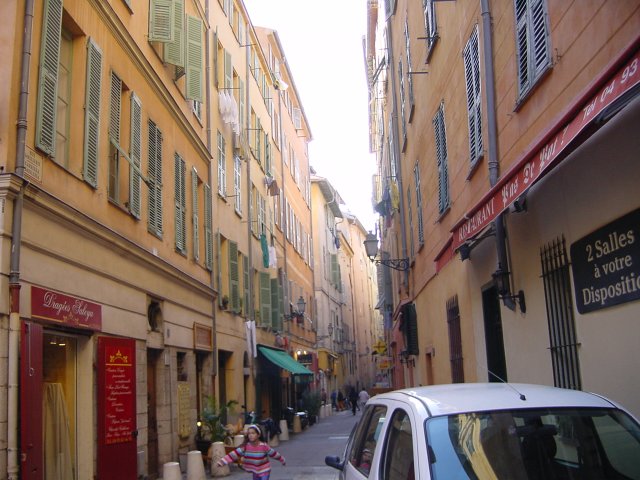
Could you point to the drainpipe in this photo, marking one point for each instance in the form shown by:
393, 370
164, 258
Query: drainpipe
396, 149
492, 132
14, 268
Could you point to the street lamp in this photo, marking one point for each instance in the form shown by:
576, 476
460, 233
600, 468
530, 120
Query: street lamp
501, 277
299, 313
371, 247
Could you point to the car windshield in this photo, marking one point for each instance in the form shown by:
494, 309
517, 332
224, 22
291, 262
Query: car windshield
576, 443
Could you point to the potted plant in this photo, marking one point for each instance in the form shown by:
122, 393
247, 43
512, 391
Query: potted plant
224, 302
312, 403
211, 426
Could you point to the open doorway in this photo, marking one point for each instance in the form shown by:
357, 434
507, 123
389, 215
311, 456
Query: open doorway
494, 342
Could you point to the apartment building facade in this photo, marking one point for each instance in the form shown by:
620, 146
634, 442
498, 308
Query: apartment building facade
503, 131
138, 212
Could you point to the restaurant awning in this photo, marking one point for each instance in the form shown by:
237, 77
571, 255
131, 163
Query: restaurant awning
283, 360
617, 85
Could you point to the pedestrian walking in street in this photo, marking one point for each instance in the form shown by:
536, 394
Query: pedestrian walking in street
353, 399
363, 397
255, 455
323, 396
340, 400
334, 402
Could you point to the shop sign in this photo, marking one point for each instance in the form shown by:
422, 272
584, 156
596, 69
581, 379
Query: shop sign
606, 265
184, 409
65, 310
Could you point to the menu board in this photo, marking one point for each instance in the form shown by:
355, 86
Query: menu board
119, 398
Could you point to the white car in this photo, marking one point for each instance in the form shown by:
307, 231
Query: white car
491, 431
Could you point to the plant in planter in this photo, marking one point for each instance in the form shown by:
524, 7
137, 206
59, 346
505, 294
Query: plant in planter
224, 302
211, 427
312, 403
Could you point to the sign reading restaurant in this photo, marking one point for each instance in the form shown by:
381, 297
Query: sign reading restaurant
606, 265
65, 310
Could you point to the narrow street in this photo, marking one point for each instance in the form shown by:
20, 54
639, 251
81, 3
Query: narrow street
305, 451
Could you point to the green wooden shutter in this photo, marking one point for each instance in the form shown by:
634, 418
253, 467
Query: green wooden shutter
194, 59
234, 277
115, 109
136, 155
216, 73
242, 104
180, 203
245, 268
334, 270
155, 179
275, 304
92, 113
265, 299
161, 13
48, 81
194, 208
219, 269
267, 154
174, 51
208, 233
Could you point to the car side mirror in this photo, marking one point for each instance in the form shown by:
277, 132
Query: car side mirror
334, 461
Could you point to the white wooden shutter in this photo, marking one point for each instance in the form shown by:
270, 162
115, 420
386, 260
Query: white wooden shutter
92, 113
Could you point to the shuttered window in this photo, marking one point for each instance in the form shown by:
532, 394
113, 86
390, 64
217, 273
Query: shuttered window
155, 180
532, 43
245, 283
193, 79
135, 154
441, 157
63, 109
403, 118
115, 112
267, 155
92, 114
410, 218
276, 304
174, 50
161, 21
195, 218
234, 277
265, 299
430, 25
48, 76
208, 228
474, 107
228, 70
237, 183
407, 42
180, 203
222, 165
419, 206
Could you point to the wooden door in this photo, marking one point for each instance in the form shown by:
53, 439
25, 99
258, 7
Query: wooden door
31, 431
152, 416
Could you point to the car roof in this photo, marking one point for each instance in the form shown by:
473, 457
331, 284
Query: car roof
475, 397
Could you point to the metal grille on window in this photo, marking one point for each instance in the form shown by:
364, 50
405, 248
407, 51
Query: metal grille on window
563, 343
455, 341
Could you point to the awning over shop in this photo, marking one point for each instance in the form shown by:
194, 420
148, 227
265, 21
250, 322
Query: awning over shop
283, 360
615, 86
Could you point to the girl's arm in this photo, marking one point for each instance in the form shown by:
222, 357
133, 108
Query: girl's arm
272, 453
233, 456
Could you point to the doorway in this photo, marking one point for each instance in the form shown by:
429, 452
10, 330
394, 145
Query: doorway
494, 341
59, 389
152, 414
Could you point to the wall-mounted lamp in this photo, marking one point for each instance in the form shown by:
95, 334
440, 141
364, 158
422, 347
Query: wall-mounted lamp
465, 252
502, 279
407, 359
371, 247
299, 313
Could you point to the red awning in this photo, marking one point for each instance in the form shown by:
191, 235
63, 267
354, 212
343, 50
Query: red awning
546, 152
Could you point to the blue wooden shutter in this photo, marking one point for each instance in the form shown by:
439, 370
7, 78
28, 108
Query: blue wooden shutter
92, 113
48, 78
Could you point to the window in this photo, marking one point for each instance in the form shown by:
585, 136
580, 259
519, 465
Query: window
532, 43
563, 338
64, 100
455, 341
262, 228
237, 181
365, 438
181, 204
234, 277
441, 156
474, 107
403, 118
407, 41
397, 457
410, 221
195, 181
222, 165
419, 208
208, 228
155, 180
430, 25
265, 299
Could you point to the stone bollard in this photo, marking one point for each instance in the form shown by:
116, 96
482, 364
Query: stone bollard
217, 452
297, 426
195, 466
171, 471
284, 429
273, 441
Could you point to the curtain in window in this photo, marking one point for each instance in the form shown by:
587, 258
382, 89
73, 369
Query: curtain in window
58, 464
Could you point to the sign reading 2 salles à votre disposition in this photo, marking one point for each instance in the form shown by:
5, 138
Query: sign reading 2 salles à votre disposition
606, 265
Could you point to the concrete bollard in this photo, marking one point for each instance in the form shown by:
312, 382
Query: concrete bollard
297, 426
171, 471
195, 466
284, 428
217, 452
273, 441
